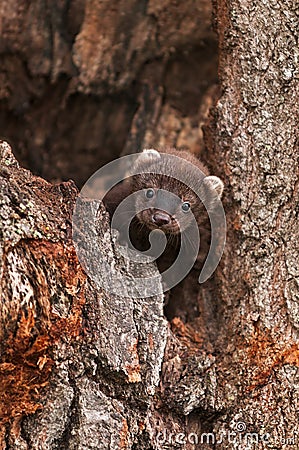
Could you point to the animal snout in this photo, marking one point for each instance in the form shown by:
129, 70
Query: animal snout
160, 219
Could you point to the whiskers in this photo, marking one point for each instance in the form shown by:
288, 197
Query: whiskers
190, 241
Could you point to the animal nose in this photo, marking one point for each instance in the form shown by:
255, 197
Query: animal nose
160, 219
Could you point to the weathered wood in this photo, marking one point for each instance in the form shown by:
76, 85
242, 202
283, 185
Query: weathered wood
255, 136
84, 362
81, 368
75, 74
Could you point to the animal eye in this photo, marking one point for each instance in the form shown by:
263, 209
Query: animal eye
149, 193
186, 206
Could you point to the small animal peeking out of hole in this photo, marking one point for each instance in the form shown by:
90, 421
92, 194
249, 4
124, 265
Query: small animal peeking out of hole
169, 196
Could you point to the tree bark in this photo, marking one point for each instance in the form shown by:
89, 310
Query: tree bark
254, 139
83, 81
81, 368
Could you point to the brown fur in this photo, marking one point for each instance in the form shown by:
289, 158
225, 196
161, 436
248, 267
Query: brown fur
172, 221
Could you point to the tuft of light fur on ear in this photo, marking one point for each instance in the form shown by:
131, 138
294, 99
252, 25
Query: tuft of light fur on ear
150, 153
215, 183
146, 158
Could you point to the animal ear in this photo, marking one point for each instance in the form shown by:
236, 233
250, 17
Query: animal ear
215, 183
146, 158
150, 154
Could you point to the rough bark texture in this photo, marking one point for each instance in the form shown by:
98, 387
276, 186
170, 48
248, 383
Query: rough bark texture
86, 363
82, 83
256, 145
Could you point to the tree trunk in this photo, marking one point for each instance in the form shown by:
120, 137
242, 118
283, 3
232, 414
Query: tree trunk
82, 368
254, 139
